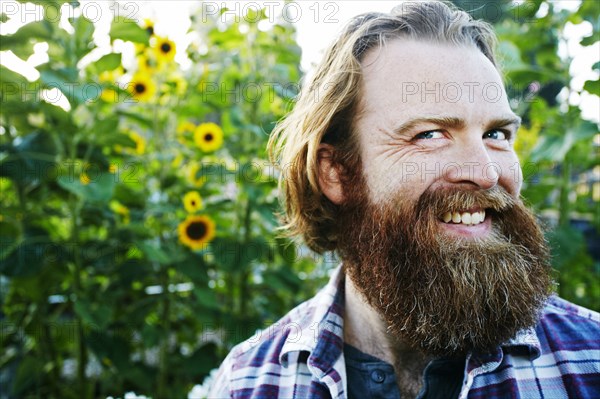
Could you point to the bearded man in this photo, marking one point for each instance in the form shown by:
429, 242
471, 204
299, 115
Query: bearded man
399, 157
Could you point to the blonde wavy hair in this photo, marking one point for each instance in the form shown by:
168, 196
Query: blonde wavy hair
329, 104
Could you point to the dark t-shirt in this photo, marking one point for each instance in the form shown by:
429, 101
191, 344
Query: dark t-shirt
370, 377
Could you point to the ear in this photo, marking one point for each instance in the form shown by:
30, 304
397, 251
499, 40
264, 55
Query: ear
330, 174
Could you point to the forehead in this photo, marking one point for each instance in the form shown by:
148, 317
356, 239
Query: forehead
408, 76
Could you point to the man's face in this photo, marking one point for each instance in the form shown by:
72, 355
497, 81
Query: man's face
435, 116
435, 236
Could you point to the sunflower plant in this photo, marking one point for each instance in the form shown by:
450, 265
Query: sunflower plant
137, 225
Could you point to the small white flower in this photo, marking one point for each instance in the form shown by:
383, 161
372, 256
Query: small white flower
202, 391
69, 368
133, 395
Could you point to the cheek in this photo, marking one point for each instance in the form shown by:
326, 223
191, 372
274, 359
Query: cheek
511, 177
379, 183
389, 178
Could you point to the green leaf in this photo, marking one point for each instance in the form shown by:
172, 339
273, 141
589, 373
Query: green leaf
127, 195
254, 16
21, 42
3, 17
510, 56
12, 82
194, 267
151, 334
585, 130
29, 256
108, 62
128, 30
99, 190
32, 161
154, 252
555, 147
41, 30
521, 77
592, 87
115, 139
235, 256
201, 361
84, 32
268, 215
566, 243
67, 81
589, 40
95, 314
552, 148
596, 66
106, 127
8, 238
111, 348
206, 297
136, 116
30, 370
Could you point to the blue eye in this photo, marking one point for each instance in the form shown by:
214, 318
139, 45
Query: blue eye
432, 134
496, 134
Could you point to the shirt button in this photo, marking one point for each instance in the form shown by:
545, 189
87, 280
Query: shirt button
378, 376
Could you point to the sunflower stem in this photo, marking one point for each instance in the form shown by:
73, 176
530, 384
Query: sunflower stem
164, 346
245, 269
77, 288
75, 205
565, 191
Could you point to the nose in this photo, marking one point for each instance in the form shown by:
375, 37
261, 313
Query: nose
471, 164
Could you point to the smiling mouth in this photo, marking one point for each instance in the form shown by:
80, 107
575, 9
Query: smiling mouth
468, 218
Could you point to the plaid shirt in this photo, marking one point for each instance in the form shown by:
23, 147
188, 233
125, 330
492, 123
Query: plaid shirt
301, 356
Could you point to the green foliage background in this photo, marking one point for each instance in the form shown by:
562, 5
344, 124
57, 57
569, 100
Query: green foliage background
100, 296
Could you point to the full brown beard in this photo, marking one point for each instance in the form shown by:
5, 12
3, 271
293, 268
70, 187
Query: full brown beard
441, 294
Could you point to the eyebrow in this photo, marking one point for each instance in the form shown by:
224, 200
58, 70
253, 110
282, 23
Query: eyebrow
455, 123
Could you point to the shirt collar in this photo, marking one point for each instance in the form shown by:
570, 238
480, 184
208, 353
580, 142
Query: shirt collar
524, 343
320, 326
526, 340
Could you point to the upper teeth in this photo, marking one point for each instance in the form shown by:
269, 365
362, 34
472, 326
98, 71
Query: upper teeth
464, 217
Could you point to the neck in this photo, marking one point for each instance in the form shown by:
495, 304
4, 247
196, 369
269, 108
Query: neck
366, 330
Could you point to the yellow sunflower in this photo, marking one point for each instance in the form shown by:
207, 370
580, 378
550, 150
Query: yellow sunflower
192, 170
140, 142
192, 201
164, 49
141, 87
145, 65
84, 179
177, 83
208, 136
184, 131
148, 26
196, 231
109, 95
120, 209
111, 76
186, 127
176, 163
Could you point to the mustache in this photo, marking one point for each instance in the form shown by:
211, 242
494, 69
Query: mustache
452, 199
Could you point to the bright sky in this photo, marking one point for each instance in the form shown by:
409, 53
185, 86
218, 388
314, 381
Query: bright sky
317, 23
